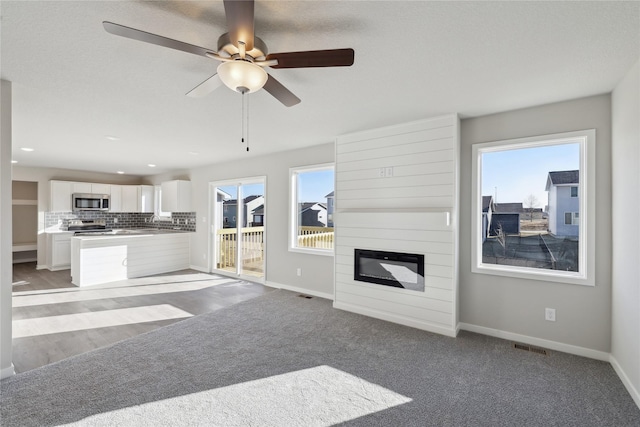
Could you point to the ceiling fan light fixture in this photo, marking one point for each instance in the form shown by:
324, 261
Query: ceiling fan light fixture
242, 76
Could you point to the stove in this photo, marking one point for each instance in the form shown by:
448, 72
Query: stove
88, 225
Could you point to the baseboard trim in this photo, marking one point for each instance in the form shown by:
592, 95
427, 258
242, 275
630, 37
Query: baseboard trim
635, 394
396, 319
7, 372
42, 267
299, 289
525, 339
198, 268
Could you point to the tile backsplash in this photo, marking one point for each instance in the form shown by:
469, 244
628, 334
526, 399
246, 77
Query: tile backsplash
185, 221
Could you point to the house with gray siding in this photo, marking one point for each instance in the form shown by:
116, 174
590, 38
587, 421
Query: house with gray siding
564, 203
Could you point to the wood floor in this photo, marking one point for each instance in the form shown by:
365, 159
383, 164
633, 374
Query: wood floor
53, 319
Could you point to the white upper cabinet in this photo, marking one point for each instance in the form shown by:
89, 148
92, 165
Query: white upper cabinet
129, 198
60, 196
101, 189
176, 196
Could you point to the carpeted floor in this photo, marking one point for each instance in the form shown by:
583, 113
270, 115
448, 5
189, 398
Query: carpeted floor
282, 360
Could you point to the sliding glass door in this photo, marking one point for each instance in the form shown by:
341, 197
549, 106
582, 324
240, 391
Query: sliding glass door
238, 231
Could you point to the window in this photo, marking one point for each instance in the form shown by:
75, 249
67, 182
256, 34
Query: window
533, 208
574, 191
572, 218
311, 209
157, 205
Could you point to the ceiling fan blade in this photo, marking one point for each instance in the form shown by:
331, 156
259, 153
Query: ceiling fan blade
240, 21
206, 87
143, 36
280, 92
313, 58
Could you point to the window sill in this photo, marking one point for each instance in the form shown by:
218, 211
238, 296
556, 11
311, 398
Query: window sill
569, 278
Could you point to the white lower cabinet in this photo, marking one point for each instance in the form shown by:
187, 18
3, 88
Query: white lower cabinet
59, 250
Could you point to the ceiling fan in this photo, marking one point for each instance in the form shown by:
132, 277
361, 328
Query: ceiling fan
243, 55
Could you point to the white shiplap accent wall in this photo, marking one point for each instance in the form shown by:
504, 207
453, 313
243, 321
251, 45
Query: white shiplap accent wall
413, 211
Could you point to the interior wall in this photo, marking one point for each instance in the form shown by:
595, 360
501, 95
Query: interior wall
6, 269
625, 336
498, 304
281, 264
43, 175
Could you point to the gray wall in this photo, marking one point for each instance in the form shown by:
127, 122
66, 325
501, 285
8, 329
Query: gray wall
6, 270
317, 270
517, 305
625, 346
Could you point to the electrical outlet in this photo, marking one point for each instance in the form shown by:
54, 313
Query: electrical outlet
550, 314
115, 220
382, 172
299, 272
388, 172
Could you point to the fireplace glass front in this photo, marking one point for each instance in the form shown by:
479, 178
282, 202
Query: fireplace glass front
395, 269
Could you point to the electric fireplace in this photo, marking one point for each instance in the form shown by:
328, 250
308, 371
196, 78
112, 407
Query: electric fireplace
395, 269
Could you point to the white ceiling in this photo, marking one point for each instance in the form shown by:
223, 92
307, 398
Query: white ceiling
74, 84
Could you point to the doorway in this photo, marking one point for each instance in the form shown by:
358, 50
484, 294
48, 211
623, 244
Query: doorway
238, 228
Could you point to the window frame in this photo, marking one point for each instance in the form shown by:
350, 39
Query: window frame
587, 218
157, 205
293, 208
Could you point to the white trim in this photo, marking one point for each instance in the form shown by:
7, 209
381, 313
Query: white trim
586, 276
199, 268
525, 339
635, 394
299, 289
7, 372
395, 318
293, 207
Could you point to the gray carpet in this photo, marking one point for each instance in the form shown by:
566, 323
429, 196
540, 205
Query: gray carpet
282, 360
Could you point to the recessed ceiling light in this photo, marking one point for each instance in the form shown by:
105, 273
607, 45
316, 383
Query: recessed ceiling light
194, 153
151, 165
120, 172
26, 149
14, 161
112, 138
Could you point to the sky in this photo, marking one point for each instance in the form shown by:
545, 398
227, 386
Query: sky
515, 174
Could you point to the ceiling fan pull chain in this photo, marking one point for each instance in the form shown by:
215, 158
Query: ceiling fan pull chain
247, 124
242, 119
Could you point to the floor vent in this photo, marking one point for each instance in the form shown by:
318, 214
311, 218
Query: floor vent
305, 296
530, 348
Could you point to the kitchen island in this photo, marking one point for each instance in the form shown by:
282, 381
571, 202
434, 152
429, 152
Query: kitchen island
125, 254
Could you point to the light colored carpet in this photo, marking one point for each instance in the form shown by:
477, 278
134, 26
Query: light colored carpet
282, 360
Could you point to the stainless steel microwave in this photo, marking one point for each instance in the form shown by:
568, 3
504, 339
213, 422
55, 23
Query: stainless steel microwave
90, 202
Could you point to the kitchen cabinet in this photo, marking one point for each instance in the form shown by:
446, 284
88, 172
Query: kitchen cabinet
129, 198
132, 198
59, 250
60, 196
176, 196
101, 188
116, 198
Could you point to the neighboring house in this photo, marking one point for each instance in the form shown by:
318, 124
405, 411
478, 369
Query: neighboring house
330, 207
313, 214
251, 204
564, 202
487, 211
